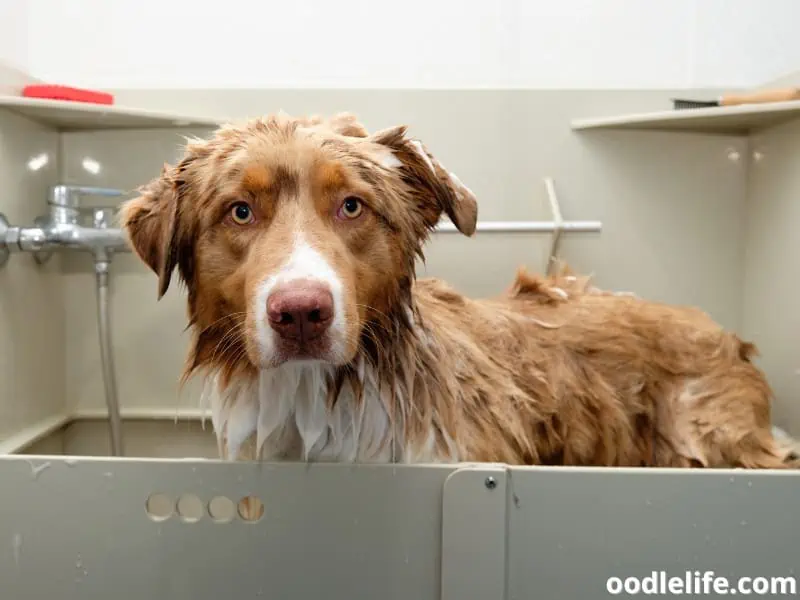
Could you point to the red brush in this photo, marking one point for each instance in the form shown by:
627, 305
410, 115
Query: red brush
62, 92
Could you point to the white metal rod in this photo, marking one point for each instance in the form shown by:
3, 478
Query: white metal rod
553, 199
527, 227
558, 222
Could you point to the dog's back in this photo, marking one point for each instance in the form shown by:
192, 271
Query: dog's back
574, 375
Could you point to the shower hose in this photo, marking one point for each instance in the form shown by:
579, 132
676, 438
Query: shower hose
101, 266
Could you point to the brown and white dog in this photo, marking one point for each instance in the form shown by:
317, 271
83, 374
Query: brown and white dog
297, 240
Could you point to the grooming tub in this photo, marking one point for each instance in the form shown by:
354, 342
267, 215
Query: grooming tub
694, 207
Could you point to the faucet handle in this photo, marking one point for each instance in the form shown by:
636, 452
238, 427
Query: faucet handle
64, 200
67, 195
89, 190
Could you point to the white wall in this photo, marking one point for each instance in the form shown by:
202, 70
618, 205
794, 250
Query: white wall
14, 30
413, 43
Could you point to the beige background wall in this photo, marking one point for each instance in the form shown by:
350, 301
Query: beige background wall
672, 207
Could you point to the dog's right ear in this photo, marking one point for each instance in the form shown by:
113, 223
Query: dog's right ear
152, 223
427, 174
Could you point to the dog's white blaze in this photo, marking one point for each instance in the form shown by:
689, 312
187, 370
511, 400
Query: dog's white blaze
304, 262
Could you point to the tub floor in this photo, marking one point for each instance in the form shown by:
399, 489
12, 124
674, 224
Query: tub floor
141, 439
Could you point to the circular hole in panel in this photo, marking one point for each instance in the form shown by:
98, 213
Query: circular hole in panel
190, 508
159, 507
221, 509
251, 509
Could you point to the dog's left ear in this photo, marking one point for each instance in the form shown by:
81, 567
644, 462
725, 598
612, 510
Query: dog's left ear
423, 171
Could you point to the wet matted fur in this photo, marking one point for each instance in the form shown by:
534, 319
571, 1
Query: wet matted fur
552, 371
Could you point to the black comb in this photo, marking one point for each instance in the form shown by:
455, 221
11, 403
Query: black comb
681, 103
756, 97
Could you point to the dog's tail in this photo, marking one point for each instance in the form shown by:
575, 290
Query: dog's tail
766, 449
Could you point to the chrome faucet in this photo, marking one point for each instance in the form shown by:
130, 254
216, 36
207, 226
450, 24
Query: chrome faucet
61, 230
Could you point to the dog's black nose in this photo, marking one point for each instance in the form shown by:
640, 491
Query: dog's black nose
301, 310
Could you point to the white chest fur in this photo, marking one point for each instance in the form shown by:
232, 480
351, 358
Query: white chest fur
288, 410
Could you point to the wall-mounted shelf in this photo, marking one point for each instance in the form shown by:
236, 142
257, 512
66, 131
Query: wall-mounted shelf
726, 120
81, 116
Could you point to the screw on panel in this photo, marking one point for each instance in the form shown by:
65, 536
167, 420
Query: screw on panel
490, 483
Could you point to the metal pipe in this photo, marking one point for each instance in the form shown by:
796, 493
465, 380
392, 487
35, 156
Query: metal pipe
101, 266
527, 227
71, 193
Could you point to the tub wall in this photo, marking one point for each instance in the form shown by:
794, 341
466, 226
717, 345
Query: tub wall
32, 311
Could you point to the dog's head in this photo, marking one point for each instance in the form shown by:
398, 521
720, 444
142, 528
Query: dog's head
293, 234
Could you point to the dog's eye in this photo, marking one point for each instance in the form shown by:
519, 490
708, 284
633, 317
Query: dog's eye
241, 214
351, 208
